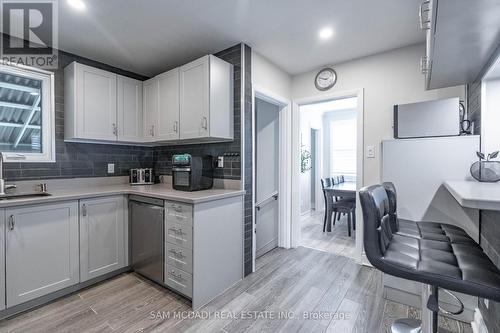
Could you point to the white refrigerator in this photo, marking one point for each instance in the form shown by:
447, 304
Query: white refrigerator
418, 168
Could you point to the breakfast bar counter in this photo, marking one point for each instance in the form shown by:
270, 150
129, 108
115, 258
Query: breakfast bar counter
473, 194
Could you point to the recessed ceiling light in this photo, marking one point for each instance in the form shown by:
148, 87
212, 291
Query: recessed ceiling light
77, 4
325, 33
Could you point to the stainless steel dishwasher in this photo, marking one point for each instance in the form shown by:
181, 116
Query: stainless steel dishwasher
146, 218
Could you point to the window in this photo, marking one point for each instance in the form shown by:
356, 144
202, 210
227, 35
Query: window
343, 146
27, 132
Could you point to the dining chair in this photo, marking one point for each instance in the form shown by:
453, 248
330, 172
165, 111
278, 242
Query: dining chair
344, 207
325, 183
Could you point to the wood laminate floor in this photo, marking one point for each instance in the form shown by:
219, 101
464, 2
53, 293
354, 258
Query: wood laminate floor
314, 291
337, 241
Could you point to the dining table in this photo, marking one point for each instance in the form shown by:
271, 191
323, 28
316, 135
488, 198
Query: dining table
342, 190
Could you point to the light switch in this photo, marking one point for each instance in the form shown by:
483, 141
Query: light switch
370, 151
111, 168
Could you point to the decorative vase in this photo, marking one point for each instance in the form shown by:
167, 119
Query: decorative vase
486, 171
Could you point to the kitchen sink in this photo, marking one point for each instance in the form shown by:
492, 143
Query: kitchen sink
10, 196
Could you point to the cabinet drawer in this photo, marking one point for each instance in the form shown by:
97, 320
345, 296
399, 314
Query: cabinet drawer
179, 280
179, 234
179, 213
179, 257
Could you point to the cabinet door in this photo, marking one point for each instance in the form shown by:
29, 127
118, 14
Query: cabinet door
150, 109
2, 259
103, 236
194, 99
41, 250
129, 109
96, 103
168, 111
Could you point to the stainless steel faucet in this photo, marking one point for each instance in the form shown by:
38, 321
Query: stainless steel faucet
3, 187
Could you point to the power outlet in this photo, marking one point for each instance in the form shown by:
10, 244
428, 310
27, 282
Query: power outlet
370, 151
111, 168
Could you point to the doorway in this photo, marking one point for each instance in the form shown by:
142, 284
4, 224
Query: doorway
267, 175
314, 169
334, 123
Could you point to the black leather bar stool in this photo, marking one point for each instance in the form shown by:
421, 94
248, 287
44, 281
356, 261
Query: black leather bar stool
437, 255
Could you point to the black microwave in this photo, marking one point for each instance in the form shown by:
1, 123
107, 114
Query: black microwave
192, 173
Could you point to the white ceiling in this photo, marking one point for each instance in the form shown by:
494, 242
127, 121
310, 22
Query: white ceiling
150, 36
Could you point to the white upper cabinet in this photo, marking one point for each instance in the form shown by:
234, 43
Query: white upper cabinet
150, 107
206, 100
194, 96
129, 101
193, 103
90, 103
462, 40
168, 110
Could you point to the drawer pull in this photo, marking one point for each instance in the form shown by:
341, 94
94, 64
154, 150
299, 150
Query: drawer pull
177, 254
176, 231
177, 276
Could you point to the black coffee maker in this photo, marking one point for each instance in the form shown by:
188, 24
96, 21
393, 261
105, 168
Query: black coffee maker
192, 173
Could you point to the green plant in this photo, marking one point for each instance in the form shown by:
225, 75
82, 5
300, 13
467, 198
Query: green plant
305, 160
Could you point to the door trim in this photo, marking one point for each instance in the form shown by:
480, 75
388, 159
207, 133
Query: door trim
284, 197
294, 223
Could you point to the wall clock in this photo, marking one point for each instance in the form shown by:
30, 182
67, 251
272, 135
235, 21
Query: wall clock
325, 79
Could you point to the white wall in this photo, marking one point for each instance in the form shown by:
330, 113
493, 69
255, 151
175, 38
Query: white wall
308, 121
388, 78
490, 116
268, 76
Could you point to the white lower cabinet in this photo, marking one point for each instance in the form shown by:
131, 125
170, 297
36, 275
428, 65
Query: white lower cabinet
203, 248
103, 236
179, 247
41, 250
2, 259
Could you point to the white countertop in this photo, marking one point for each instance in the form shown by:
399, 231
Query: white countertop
160, 191
473, 194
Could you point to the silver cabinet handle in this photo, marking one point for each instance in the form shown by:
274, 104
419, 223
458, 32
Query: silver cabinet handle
176, 231
424, 65
176, 126
204, 122
115, 129
84, 210
12, 222
424, 15
178, 276
177, 253
152, 130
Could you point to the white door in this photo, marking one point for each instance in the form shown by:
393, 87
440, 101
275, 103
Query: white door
150, 109
103, 236
267, 176
96, 103
41, 250
129, 109
194, 99
168, 111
